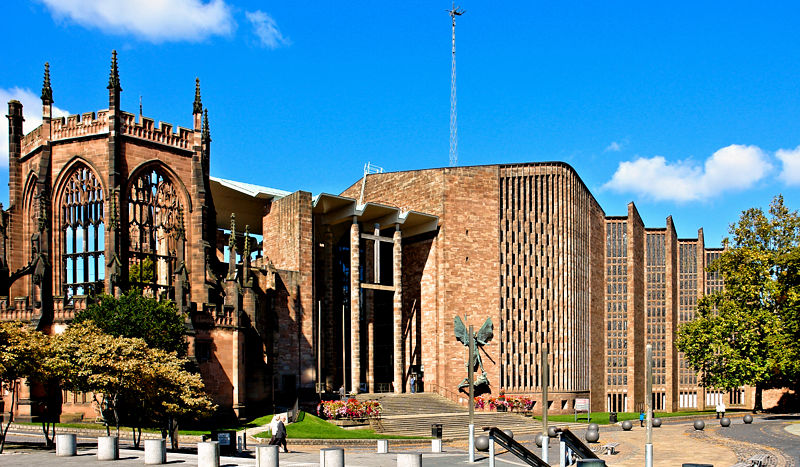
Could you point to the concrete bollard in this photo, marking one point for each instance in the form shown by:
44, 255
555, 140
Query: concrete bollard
208, 454
107, 448
267, 456
331, 457
155, 451
409, 460
67, 445
383, 446
436, 445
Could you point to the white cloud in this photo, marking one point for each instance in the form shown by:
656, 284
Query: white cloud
790, 158
613, 147
151, 20
31, 111
266, 29
732, 168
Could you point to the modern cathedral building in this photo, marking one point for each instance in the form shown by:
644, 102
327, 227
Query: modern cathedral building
287, 294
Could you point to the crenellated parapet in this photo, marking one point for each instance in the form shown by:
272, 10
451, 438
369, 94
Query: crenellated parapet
32, 140
16, 309
79, 125
161, 134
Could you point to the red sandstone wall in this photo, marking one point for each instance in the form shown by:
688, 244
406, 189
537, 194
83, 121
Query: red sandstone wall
288, 243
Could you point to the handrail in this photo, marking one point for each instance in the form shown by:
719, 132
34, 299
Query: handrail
514, 447
448, 393
575, 444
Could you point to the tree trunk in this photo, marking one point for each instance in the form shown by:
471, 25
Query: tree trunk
757, 405
10, 415
137, 439
49, 440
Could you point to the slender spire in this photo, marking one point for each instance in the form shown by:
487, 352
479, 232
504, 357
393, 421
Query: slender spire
47, 91
246, 250
206, 128
232, 249
198, 103
232, 237
113, 77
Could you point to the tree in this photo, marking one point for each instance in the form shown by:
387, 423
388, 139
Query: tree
136, 384
22, 354
747, 334
159, 323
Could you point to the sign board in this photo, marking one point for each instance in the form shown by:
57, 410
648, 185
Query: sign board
224, 439
581, 405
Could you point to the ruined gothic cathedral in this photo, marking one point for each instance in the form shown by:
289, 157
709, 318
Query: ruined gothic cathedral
287, 293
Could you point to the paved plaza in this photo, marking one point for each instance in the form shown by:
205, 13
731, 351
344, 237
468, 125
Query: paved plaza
674, 444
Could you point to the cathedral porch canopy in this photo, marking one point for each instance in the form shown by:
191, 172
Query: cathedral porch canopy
334, 209
244, 199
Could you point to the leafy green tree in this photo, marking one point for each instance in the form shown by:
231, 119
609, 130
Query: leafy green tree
747, 334
159, 323
23, 352
135, 383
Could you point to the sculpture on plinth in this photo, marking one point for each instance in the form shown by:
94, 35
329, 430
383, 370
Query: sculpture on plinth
481, 338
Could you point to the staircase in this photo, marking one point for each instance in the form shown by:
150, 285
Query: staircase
413, 414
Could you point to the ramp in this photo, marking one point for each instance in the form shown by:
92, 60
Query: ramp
516, 448
574, 443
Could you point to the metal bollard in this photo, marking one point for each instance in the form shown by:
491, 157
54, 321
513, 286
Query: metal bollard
267, 456
436, 445
409, 460
208, 454
107, 448
331, 457
67, 445
155, 451
383, 446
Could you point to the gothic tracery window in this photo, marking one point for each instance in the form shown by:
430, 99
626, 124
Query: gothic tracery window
82, 233
153, 211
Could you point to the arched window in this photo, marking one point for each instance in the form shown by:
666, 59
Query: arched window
82, 233
153, 208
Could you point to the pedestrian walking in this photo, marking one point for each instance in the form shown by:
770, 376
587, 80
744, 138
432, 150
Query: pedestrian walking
279, 435
641, 418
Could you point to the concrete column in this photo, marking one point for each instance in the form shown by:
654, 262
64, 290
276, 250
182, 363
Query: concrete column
107, 448
436, 445
397, 323
267, 456
383, 446
331, 457
355, 308
66, 445
155, 451
208, 454
368, 305
409, 460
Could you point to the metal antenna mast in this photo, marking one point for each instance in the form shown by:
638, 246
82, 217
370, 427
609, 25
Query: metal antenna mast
454, 11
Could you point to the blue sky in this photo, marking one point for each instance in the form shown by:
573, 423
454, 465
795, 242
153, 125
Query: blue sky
687, 108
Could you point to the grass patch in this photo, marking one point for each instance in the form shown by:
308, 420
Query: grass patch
312, 427
601, 418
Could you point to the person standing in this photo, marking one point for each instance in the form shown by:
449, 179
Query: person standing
641, 418
413, 384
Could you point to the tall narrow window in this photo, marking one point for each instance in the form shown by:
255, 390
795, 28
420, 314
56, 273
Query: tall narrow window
153, 207
82, 233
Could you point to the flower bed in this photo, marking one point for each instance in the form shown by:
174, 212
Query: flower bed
504, 403
351, 409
